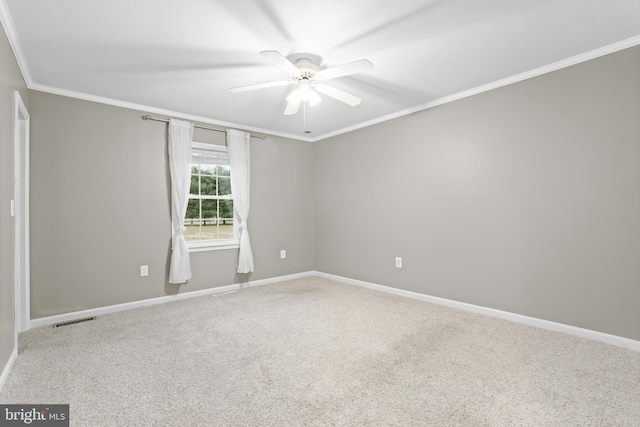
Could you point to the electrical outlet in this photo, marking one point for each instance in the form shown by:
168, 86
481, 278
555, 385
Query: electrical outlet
399, 262
283, 254
144, 270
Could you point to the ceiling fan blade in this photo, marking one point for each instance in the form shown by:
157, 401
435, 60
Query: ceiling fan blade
281, 61
338, 94
292, 108
261, 86
345, 69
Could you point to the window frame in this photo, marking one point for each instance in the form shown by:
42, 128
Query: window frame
218, 244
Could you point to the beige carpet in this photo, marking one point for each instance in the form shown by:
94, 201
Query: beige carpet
313, 352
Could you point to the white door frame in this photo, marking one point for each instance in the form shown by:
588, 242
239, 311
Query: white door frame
21, 220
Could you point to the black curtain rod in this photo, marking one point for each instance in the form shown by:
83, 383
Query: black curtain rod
155, 119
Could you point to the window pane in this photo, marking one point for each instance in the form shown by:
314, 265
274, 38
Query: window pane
193, 210
226, 208
192, 220
208, 185
225, 229
207, 169
194, 188
209, 218
224, 185
209, 211
209, 229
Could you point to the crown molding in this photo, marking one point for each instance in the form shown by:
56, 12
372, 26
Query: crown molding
161, 111
574, 60
9, 28
10, 31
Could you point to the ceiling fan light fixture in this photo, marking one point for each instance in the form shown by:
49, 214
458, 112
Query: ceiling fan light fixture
305, 86
304, 92
307, 76
313, 98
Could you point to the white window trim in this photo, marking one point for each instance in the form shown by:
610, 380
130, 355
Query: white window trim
214, 245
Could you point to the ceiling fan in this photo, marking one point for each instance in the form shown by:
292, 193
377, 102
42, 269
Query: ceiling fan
308, 78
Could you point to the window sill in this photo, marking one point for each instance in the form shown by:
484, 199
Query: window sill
211, 246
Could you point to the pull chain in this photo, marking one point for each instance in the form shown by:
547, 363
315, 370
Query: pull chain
304, 114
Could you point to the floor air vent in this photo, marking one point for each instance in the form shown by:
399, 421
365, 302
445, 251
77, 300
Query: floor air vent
73, 322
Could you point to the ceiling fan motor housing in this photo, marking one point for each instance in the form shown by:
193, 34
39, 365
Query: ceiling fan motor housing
307, 69
305, 74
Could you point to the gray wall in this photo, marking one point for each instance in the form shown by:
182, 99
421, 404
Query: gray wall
524, 199
10, 81
100, 208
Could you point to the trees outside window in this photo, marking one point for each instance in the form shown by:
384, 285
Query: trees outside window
209, 214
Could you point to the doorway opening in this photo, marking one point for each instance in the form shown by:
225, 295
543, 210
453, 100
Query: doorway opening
21, 214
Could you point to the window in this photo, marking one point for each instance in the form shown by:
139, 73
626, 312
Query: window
209, 220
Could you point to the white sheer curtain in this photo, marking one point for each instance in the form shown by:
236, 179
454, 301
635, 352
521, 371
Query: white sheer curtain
180, 135
238, 147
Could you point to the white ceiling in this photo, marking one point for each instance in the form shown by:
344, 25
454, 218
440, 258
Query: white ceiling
181, 57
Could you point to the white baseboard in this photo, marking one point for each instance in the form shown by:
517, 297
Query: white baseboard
66, 317
7, 368
518, 318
